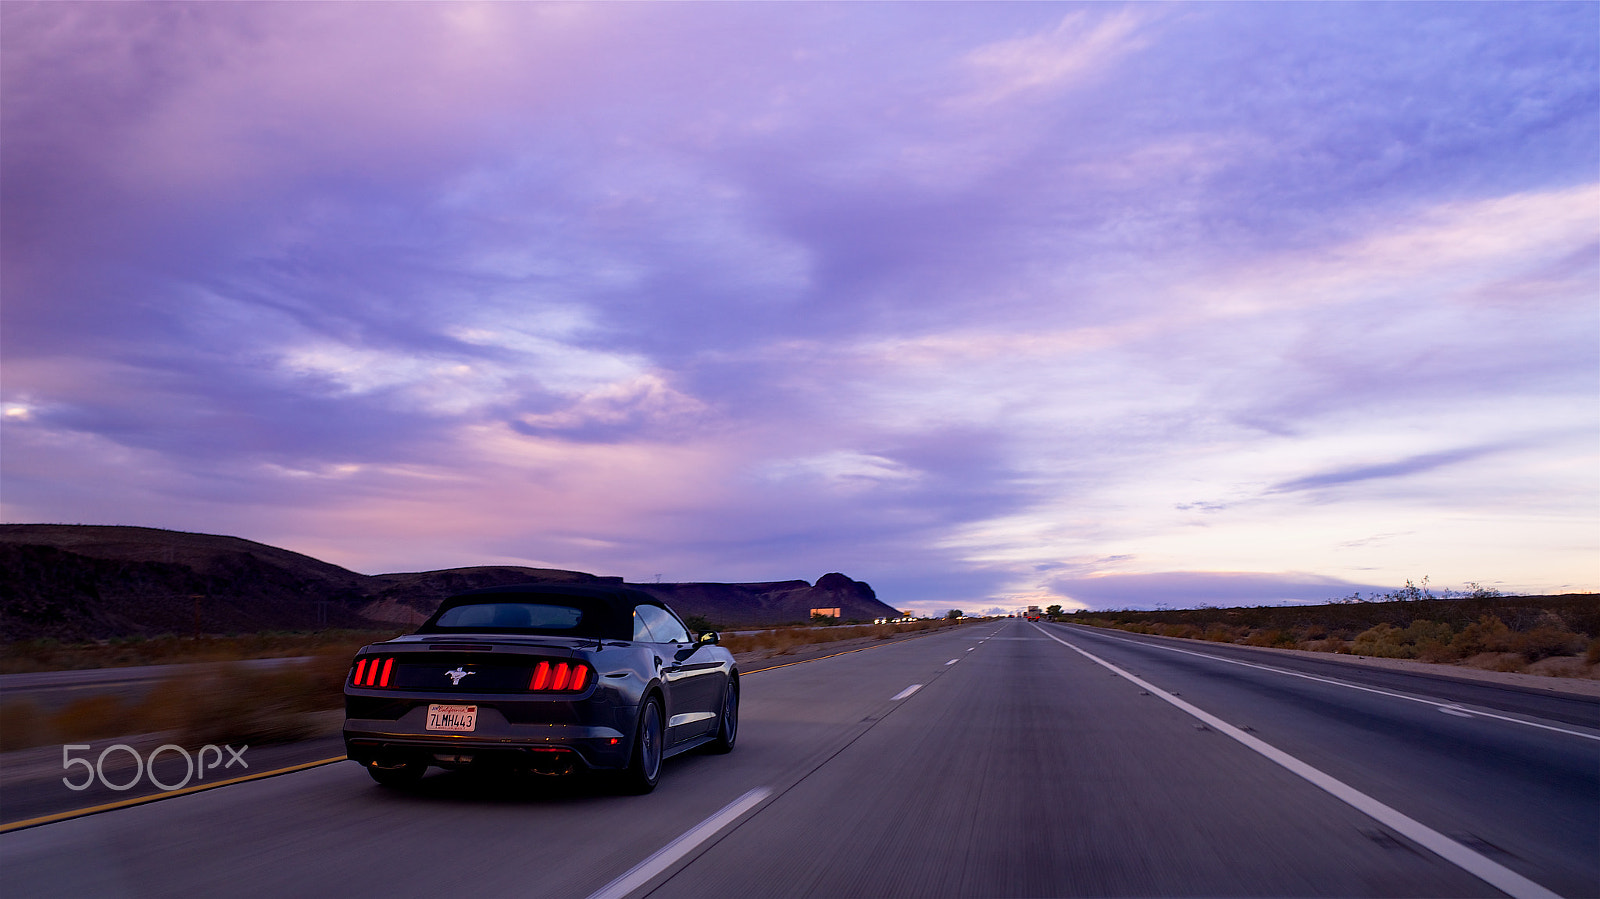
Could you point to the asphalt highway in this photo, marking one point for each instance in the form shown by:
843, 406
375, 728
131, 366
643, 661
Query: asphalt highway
996, 759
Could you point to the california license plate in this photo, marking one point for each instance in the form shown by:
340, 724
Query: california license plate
452, 717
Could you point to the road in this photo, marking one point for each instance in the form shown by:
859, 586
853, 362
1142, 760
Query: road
996, 759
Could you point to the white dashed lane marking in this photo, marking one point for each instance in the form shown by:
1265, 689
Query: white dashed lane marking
668, 855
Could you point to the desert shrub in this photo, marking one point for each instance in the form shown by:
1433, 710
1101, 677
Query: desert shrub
252, 706
1487, 634
786, 639
1593, 656
166, 649
1271, 637
1545, 641
1431, 641
1220, 633
1383, 641
23, 725
213, 705
1428, 640
98, 717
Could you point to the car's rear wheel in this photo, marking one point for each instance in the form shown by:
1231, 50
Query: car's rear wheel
402, 775
644, 767
728, 724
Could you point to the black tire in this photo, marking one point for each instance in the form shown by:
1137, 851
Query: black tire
649, 743
728, 722
403, 775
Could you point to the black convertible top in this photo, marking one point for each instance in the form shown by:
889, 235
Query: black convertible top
607, 610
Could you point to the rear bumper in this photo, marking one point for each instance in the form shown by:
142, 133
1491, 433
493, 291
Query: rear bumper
547, 748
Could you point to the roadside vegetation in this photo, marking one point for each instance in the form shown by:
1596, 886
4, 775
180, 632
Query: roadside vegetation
26, 656
1550, 635
781, 640
218, 703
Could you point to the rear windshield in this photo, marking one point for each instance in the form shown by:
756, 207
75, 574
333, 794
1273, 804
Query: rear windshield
513, 616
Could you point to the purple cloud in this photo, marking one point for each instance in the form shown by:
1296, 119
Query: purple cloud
1402, 468
948, 297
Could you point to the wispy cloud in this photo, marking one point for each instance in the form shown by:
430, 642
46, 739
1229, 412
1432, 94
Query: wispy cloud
1398, 469
1082, 44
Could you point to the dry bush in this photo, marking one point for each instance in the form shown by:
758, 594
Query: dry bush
1382, 641
215, 705
1271, 636
23, 725
1545, 641
1431, 641
168, 649
1428, 640
258, 706
1487, 634
98, 717
781, 640
1592, 657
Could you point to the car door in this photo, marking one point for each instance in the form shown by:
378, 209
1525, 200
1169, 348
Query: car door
693, 684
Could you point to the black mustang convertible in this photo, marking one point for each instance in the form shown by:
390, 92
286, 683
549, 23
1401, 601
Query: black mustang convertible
545, 679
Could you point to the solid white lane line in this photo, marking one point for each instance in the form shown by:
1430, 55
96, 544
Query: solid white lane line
906, 692
1491, 872
668, 855
1473, 713
1451, 710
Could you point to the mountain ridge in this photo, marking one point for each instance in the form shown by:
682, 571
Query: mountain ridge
81, 582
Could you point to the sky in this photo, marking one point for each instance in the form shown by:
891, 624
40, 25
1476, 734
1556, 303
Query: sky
988, 305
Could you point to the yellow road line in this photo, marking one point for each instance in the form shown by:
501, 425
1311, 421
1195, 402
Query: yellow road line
156, 797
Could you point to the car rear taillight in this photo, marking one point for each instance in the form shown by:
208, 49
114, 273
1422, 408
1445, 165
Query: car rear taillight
373, 672
559, 677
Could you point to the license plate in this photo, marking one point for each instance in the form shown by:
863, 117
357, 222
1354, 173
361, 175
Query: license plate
452, 717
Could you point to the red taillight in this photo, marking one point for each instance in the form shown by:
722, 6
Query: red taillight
373, 672
568, 677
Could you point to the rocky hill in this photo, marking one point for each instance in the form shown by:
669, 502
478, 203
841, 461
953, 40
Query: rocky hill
77, 582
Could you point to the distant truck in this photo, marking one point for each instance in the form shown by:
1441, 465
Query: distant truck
1033, 613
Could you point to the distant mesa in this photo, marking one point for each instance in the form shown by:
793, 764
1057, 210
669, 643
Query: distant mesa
86, 582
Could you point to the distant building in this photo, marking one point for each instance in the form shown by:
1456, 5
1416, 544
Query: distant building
825, 613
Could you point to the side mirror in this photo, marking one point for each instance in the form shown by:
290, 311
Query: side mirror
709, 638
